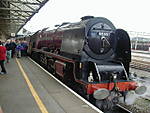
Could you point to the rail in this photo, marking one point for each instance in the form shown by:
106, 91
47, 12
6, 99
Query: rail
119, 109
141, 65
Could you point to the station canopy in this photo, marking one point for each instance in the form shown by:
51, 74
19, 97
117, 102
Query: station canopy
14, 14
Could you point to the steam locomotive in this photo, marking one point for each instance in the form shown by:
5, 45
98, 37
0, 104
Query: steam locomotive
91, 56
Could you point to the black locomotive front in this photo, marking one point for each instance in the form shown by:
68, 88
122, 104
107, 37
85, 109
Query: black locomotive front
98, 39
96, 43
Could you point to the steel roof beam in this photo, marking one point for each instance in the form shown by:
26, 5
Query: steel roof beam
19, 15
5, 3
14, 14
9, 9
29, 7
42, 4
12, 19
23, 2
18, 24
39, 1
19, 9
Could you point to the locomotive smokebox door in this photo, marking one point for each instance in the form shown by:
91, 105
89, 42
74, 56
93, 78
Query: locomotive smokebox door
97, 32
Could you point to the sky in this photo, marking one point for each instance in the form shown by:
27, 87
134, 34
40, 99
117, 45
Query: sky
130, 15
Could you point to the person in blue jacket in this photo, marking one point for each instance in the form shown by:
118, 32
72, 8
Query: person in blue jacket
18, 49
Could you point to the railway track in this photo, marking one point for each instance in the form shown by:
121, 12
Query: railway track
119, 109
146, 97
142, 62
141, 65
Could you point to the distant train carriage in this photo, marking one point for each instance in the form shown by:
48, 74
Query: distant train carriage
140, 43
91, 56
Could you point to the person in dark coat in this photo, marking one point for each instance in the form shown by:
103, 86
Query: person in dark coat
8, 48
2, 58
24, 48
13, 47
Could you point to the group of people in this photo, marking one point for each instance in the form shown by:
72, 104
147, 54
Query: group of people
10, 49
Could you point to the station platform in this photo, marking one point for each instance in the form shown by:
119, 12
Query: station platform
26, 88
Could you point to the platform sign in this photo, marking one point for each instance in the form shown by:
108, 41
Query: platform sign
12, 34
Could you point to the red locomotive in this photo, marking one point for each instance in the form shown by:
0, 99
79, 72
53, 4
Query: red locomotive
91, 56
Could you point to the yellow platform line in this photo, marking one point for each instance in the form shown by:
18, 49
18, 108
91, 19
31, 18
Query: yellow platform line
34, 93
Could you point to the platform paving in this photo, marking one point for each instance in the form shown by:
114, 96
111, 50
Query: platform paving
15, 95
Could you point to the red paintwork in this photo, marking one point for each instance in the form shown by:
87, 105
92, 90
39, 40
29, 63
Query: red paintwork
59, 67
122, 86
49, 39
61, 58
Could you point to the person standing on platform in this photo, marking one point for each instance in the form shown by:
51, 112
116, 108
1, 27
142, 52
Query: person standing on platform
8, 48
13, 47
2, 58
18, 49
24, 48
